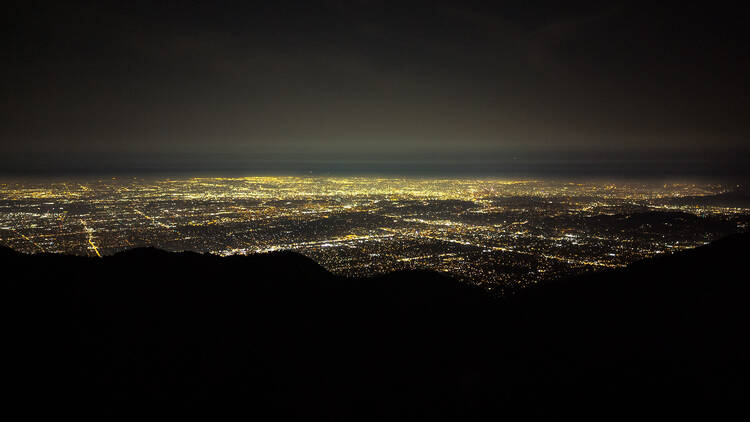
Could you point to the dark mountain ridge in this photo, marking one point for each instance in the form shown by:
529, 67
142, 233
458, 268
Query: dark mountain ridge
734, 198
278, 335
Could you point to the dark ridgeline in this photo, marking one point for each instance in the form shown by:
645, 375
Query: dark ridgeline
734, 198
277, 335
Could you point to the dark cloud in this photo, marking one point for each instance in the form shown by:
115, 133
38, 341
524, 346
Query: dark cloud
373, 77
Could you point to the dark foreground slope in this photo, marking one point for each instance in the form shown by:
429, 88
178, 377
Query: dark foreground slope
277, 335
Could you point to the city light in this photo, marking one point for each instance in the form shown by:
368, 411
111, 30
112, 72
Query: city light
489, 232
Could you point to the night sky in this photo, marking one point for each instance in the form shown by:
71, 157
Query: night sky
563, 87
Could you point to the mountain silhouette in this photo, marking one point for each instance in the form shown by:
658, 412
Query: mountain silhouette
276, 335
734, 198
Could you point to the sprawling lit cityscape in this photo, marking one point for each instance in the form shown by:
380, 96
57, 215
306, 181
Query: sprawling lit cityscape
492, 232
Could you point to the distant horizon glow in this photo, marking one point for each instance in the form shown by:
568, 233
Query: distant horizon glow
427, 88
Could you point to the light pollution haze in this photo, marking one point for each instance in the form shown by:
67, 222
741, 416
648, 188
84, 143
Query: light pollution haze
375, 87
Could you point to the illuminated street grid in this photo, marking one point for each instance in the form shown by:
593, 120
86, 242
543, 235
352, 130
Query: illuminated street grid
493, 232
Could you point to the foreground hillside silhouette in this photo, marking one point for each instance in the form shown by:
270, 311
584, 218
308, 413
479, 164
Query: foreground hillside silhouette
277, 335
